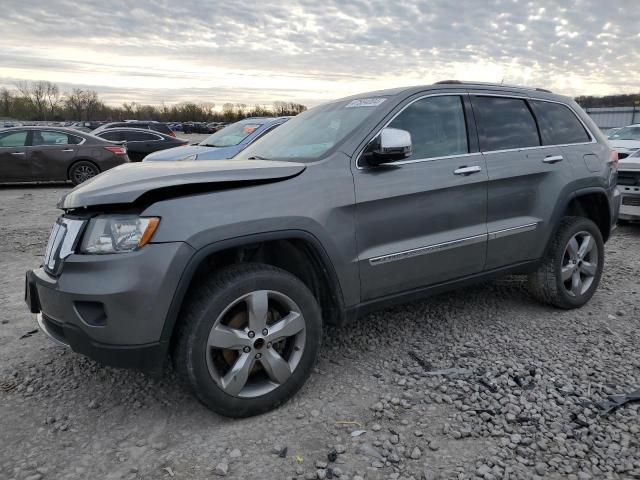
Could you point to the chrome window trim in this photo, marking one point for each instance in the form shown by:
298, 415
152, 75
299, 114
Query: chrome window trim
591, 136
479, 94
62, 133
403, 162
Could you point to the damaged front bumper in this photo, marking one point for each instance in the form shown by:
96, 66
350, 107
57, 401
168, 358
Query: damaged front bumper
111, 308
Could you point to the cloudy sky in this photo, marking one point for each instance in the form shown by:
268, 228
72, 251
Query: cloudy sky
310, 51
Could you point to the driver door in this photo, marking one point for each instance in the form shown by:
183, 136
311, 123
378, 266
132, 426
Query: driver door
422, 221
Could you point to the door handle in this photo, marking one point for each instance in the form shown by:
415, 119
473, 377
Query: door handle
464, 170
17, 153
553, 159
68, 150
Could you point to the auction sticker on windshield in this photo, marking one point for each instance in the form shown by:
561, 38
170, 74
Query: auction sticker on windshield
365, 102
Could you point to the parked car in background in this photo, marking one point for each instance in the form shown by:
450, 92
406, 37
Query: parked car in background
225, 143
147, 125
46, 154
626, 140
195, 127
141, 142
629, 185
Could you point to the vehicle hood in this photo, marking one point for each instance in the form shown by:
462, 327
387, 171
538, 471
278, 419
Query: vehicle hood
204, 153
629, 163
625, 145
127, 183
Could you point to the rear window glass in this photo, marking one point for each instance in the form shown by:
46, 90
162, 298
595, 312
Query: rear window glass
139, 137
558, 125
13, 139
45, 137
504, 123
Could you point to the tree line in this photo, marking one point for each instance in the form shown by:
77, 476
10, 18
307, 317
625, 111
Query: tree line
622, 100
44, 100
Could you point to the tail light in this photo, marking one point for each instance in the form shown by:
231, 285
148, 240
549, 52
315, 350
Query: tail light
172, 133
116, 150
614, 160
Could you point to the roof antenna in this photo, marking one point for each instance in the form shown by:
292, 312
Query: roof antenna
502, 81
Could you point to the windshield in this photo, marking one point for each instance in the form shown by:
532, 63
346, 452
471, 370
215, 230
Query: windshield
312, 133
231, 135
626, 133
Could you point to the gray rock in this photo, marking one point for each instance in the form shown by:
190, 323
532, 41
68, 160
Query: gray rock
221, 469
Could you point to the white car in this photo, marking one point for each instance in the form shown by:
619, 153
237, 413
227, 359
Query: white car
626, 140
629, 186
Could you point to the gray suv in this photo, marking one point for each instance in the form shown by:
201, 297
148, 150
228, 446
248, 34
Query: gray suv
233, 266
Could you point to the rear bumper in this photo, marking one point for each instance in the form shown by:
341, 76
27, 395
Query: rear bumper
111, 308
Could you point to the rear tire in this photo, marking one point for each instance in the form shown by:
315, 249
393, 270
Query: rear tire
82, 171
572, 267
248, 339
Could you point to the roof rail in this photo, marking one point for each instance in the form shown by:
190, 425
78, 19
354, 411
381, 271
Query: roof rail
489, 84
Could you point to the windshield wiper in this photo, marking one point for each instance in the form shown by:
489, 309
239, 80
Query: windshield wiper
257, 157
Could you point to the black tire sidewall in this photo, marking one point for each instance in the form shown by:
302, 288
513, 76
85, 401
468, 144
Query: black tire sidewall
206, 388
586, 225
79, 164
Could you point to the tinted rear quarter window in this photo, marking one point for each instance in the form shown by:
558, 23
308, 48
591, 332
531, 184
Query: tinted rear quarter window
504, 123
558, 124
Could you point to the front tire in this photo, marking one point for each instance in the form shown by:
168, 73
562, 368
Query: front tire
248, 339
572, 267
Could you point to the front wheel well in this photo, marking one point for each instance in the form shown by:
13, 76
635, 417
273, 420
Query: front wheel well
593, 206
297, 256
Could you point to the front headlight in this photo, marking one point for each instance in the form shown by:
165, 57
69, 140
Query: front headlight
189, 158
118, 233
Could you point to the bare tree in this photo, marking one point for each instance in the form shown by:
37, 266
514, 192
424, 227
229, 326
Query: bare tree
74, 103
5, 101
35, 94
52, 93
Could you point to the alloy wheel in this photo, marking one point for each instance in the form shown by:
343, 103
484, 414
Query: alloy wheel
256, 344
83, 173
579, 263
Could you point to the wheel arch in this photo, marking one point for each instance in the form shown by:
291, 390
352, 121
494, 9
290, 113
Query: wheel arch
82, 159
296, 251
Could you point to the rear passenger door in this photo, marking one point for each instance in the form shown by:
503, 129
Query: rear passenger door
422, 221
526, 178
52, 153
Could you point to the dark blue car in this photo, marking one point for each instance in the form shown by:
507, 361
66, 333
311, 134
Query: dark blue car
223, 144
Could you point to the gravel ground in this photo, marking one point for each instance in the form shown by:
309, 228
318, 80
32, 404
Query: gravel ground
519, 402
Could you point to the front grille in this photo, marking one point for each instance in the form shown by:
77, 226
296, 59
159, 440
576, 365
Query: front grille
629, 178
62, 243
631, 201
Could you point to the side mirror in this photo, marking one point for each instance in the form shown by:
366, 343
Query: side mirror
390, 145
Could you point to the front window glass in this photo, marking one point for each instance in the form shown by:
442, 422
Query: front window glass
437, 127
13, 139
311, 134
626, 133
231, 135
